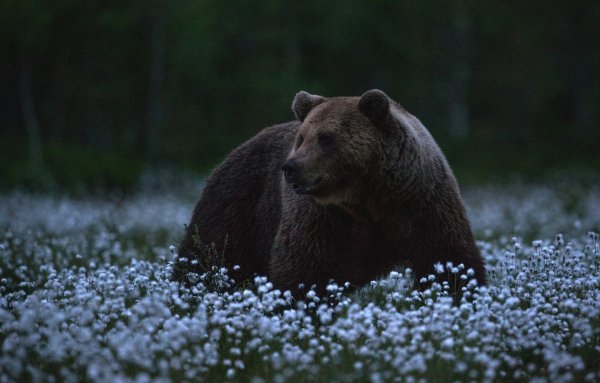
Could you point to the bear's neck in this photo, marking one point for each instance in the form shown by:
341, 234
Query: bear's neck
403, 180
406, 177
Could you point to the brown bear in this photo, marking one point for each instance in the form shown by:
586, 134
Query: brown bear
353, 188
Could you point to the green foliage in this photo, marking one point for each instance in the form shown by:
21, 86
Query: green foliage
206, 264
75, 167
71, 168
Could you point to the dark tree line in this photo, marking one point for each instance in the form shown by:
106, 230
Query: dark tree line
184, 81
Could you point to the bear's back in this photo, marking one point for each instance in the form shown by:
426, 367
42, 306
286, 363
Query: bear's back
242, 196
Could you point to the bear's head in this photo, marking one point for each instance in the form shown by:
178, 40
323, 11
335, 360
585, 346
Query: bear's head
337, 144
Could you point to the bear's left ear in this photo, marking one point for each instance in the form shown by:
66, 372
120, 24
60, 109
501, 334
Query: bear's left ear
304, 102
375, 105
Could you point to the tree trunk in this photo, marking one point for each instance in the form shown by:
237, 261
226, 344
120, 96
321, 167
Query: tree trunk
580, 70
460, 73
156, 76
30, 119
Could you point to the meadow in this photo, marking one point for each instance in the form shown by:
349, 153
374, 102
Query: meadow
85, 296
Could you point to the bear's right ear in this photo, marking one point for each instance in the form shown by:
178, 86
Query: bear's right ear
304, 103
375, 105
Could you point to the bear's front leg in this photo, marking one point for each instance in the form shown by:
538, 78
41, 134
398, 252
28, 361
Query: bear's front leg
316, 244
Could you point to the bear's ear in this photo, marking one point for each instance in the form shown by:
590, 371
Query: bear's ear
304, 103
375, 105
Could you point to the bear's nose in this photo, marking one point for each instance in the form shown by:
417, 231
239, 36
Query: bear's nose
290, 171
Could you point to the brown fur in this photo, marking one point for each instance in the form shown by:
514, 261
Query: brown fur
367, 188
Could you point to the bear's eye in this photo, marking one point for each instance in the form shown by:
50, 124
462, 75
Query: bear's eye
326, 140
299, 141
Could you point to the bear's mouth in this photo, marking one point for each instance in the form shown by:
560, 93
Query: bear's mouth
306, 188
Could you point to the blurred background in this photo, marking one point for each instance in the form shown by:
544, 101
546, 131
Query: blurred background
93, 93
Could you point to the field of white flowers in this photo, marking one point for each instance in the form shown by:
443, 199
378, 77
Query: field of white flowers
85, 295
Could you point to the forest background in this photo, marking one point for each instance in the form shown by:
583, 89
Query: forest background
92, 93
